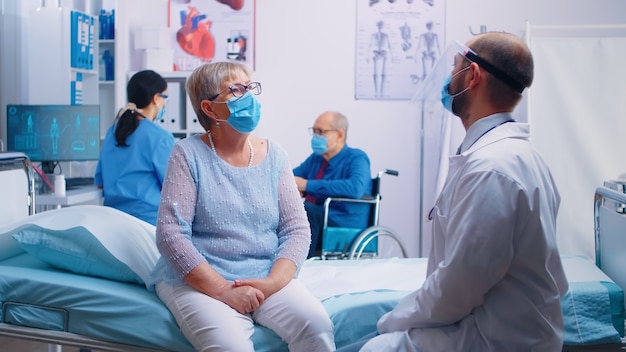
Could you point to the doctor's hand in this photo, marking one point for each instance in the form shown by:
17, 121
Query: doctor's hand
243, 299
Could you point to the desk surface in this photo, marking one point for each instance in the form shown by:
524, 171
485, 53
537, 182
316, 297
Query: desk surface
72, 196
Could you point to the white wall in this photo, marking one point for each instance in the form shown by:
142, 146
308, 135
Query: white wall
586, 153
305, 60
306, 63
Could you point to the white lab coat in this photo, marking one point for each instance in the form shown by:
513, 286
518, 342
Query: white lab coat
494, 278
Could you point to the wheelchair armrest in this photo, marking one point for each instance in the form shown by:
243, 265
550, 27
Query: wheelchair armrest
366, 199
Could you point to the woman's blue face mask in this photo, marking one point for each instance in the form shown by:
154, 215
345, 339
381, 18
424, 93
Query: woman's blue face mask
160, 114
245, 113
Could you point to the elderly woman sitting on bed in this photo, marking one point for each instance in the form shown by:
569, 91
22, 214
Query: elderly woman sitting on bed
231, 227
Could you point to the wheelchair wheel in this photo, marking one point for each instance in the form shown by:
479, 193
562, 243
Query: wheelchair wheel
389, 243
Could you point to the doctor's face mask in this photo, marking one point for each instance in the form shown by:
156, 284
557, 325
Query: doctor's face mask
447, 98
440, 84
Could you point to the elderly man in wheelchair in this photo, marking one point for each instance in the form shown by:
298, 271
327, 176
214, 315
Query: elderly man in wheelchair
341, 199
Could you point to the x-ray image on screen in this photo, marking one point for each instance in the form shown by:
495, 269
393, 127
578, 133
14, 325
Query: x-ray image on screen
54, 132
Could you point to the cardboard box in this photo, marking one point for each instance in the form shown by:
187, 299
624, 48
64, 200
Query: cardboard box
157, 59
152, 38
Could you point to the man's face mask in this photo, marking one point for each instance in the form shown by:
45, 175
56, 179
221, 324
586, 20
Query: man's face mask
446, 97
319, 144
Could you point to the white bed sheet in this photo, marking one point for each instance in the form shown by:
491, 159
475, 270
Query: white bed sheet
352, 276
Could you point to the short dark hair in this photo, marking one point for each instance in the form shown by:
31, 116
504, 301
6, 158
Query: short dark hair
512, 56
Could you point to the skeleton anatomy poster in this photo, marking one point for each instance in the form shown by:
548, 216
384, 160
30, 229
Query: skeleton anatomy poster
212, 30
398, 41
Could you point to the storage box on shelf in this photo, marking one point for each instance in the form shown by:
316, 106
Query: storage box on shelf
180, 119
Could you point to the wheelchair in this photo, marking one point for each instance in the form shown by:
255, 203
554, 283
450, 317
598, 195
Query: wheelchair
357, 243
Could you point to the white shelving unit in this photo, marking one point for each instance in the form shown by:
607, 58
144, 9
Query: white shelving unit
47, 74
50, 74
106, 89
179, 118
112, 94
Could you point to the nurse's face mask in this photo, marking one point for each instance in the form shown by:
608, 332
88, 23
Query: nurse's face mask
161, 112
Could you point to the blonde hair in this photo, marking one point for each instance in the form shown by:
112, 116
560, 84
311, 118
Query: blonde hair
206, 81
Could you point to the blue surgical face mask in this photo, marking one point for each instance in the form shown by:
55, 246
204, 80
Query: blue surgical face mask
446, 97
160, 114
245, 113
319, 144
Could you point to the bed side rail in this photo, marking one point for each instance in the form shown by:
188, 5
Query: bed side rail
67, 339
610, 233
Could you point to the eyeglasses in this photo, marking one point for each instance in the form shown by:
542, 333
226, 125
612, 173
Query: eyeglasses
238, 90
164, 96
318, 131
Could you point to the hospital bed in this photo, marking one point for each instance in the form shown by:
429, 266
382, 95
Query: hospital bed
100, 310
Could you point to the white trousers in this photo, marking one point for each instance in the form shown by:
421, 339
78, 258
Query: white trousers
211, 325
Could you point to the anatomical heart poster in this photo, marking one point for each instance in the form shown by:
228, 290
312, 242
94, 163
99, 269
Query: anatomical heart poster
212, 30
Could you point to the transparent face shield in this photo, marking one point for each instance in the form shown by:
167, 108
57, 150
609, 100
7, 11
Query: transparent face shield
429, 89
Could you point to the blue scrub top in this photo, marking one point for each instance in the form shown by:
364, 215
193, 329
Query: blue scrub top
132, 176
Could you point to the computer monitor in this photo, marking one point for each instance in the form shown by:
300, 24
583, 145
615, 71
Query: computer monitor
53, 133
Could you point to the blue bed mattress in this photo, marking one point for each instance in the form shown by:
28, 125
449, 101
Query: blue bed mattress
593, 308
36, 295
102, 309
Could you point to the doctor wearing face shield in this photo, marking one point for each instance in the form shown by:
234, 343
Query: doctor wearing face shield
494, 276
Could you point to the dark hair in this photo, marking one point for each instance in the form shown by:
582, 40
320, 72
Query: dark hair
140, 90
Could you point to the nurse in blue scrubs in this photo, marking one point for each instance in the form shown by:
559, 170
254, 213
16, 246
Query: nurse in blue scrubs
135, 150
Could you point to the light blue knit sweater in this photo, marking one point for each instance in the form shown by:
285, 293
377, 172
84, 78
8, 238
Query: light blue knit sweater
238, 219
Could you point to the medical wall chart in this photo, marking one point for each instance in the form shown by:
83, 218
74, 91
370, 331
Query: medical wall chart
398, 42
212, 30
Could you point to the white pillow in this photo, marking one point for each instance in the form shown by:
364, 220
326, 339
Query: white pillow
91, 240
